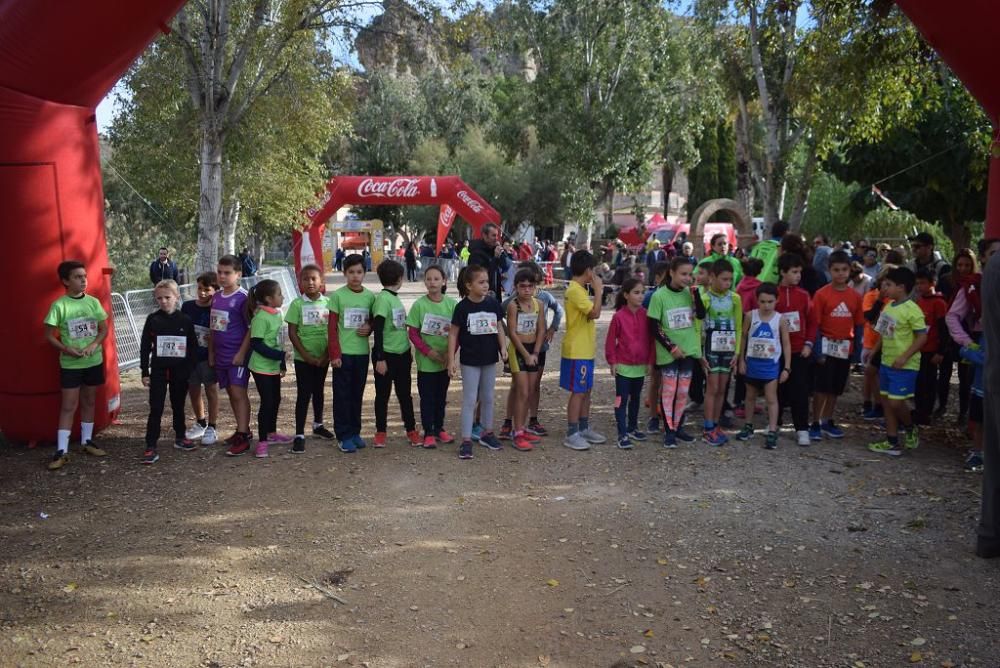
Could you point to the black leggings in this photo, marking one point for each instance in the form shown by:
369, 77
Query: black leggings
397, 374
309, 382
432, 387
269, 389
161, 383
794, 393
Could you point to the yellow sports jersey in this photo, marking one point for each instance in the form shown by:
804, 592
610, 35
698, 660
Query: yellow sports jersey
580, 341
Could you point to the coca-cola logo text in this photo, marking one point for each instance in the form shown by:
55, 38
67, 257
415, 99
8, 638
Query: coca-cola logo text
447, 217
316, 208
394, 188
473, 204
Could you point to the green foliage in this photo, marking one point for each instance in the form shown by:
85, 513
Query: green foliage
714, 175
831, 210
893, 227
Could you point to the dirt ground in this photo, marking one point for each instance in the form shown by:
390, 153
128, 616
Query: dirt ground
733, 556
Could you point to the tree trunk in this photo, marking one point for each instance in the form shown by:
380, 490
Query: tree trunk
210, 205
229, 225
959, 233
744, 175
801, 204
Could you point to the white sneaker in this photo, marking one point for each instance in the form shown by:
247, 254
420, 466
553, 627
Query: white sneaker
592, 436
576, 442
803, 437
210, 437
195, 432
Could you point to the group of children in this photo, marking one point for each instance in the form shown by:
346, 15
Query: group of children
774, 340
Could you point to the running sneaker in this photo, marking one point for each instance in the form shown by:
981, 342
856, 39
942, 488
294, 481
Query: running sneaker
874, 413
490, 440
637, 435
359, 442
477, 431
260, 452
241, 444
912, 439
298, 445
429, 442
59, 460
211, 437
348, 446
232, 439
669, 439
535, 428
91, 449
278, 437
683, 436
576, 442
185, 444
653, 425
465, 450
771, 442
830, 430
506, 431
592, 436
150, 457
379, 441
721, 434
974, 461
531, 438
195, 432
746, 433
803, 438
414, 438
815, 433
712, 438
624, 443
323, 432
884, 447
445, 437
521, 442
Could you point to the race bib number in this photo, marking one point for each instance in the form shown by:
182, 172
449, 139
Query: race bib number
482, 323
886, 326
435, 325
839, 348
171, 346
793, 320
219, 320
279, 338
723, 342
527, 323
201, 333
398, 318
354, 318
82, 328
679, 318
315, 314
763, 349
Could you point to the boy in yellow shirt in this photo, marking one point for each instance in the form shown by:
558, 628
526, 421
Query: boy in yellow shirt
576, 371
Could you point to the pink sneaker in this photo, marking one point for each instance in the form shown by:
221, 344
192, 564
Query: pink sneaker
261, 451
445, 437
740, 412
278, 437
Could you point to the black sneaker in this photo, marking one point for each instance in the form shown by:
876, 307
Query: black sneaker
150, 457
323, 432
187, 445
299, 444
465, 450
683, 436
490, 441
771, 441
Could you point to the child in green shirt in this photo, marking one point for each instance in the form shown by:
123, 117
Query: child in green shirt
391, 354
267, 361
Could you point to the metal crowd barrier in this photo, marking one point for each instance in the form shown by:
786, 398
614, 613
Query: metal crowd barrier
130, 310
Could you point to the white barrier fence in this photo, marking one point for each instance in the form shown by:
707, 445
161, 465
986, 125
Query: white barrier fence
130, 310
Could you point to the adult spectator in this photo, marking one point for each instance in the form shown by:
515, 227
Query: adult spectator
924, 257
687, 251
767, 251
821, 255
655, 255
720, 251
565, 258
870, 263
247, 262
463, 254
860, 249
410, 260
338, 259
488, 254
162, 268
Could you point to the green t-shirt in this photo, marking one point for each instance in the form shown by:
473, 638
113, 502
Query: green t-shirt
631, 370
353, 310
675, 313
767, 252
898, 324
394, 339
268, 327
77, 320
433, 320
713, 257
311, 319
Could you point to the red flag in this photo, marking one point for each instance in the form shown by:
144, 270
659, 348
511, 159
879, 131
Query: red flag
445, 219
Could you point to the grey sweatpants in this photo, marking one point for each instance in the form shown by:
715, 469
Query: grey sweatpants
477, 385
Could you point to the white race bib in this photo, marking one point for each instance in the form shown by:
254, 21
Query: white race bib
762, 349
315, 314
171, 346
793, 320
723, 341
482, 322
201, 332
679, 318
527, 323
435, 325
886, 325
839, 348
82, 328
399, 318
354, 318
219, 319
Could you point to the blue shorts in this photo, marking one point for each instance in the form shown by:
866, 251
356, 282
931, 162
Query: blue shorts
576, 376
897, 383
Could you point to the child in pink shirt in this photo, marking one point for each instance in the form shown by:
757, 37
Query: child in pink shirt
628, 350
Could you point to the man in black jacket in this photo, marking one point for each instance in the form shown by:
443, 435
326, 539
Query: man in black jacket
162, 268
488, 254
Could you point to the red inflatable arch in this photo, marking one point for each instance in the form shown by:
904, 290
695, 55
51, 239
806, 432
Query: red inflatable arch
57, 61
449, 192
